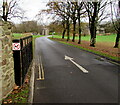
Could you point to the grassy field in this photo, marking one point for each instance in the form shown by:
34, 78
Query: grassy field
18, 35
37, 36
104, 38
104, 45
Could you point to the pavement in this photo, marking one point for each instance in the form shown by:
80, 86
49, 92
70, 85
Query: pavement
58, 79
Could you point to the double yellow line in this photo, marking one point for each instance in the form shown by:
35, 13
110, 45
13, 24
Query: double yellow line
40, 70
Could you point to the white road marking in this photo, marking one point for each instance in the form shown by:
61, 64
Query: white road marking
80, 67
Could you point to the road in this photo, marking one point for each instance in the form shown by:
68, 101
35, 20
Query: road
61, 81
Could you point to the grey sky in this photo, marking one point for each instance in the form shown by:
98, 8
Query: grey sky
31, 7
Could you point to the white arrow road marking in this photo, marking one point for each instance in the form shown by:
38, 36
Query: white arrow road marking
80, 67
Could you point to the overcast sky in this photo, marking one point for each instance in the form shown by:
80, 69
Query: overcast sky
32, 7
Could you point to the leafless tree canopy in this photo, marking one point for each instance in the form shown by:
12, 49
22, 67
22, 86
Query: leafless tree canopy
11, 10
115, 14
96, 12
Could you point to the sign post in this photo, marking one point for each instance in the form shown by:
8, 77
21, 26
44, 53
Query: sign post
16, 47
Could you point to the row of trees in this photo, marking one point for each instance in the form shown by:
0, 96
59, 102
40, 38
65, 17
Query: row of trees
56, 26
28, 27
73, 12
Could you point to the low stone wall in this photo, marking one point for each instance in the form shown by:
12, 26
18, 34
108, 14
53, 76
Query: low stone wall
7, 81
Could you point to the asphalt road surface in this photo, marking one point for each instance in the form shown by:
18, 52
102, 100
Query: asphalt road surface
60, 80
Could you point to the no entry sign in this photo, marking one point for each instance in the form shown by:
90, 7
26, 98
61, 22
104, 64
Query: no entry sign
15, 46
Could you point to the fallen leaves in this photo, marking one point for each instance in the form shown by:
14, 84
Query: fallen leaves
26, 80
19, 94
16, 87
8, 101
106, 48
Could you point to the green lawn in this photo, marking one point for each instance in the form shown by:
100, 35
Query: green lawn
20, 35
103, 38
17, 35
34, 37
37, 36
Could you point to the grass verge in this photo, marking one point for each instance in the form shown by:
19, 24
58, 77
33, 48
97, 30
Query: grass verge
92, 51
33, 41
19, 35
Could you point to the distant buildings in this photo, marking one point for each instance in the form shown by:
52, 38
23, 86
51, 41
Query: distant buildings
100, 30
86, 31
45, 31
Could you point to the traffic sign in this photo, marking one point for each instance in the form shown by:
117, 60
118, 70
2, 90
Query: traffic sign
16, 46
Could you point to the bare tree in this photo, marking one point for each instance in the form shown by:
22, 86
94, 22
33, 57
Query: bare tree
115, 12
57, 9
95, 12
27, 26
73, 16
61, 10
11, 10
80, 14
76, 12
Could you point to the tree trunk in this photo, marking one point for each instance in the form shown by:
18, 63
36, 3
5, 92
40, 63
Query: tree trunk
79, 42
93, 35
3, 16
117, 40
74, 30
93, 25
92, 42
79, 25
5, 12
118, 27
68, 30
63, 34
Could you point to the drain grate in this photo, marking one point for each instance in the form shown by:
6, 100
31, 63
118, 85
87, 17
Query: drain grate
100, 59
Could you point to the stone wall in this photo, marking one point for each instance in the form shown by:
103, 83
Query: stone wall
7, 81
